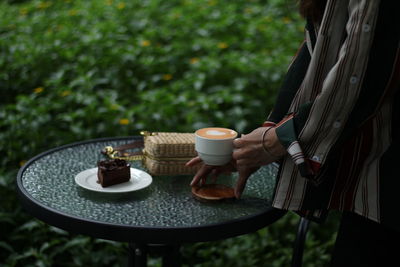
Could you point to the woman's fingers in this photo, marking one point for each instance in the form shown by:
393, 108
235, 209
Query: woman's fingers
213, 172
244, 152
244, 175
237, 143
193, 161
201, 175
214, 175
248, 163
241, 183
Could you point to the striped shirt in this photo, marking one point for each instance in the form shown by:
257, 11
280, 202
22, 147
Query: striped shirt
339, 106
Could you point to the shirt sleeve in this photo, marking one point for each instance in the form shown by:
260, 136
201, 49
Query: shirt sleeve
287, 131
288, 125
340, 88
291, 84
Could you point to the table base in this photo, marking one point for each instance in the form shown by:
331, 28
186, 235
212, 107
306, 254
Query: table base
138, 252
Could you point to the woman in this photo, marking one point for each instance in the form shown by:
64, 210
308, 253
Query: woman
334, 128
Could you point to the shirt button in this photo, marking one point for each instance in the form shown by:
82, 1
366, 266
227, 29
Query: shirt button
316, 158
353, 79
366, 28
336, 124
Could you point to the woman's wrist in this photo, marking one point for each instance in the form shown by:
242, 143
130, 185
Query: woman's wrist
271, 144
263, 141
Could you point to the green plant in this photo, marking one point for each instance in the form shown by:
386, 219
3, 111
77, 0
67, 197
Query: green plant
74, 69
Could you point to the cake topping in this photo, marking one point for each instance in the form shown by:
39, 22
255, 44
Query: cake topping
112, 164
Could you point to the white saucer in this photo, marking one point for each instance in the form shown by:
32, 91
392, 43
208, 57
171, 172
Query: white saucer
88, 180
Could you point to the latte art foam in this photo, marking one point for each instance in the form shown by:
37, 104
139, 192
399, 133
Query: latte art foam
216, 133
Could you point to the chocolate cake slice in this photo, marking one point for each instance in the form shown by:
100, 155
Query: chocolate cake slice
113, 171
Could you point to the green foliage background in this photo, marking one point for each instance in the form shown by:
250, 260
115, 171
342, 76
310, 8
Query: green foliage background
72, 70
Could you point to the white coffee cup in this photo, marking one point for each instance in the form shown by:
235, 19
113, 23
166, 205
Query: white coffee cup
215, 145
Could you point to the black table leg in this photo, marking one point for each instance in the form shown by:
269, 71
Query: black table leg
172, 256
298, 249
137, 255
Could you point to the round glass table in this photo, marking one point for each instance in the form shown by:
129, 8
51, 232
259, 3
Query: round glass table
164, 214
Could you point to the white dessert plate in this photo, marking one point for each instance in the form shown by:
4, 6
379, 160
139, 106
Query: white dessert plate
88, 180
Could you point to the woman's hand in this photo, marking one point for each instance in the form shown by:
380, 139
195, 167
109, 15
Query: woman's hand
206, 170
250, 149
248, 156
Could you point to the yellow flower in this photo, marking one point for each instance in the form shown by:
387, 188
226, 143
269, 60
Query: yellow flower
22, 163
65, 93
23, 12
176, 15
109, 2
145, 43
212, 2
44, 5
167, 77
114, 106
124, 121
72, 12
267, 19
121, 5
38, 90
261, 27
194, 60
222, 45
286, 20
248, 10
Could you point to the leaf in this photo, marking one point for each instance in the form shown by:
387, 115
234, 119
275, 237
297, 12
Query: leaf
76, 242
58, 231
29, 226
6, 246
6, 217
